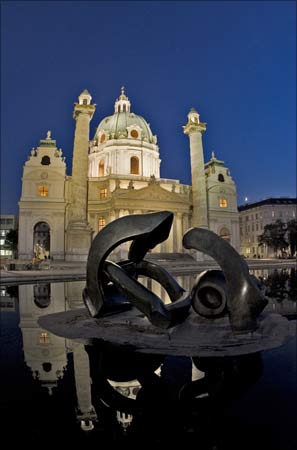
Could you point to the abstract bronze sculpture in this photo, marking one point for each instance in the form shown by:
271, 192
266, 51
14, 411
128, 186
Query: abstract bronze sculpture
113, 287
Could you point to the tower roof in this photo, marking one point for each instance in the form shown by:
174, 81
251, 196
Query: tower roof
214, 161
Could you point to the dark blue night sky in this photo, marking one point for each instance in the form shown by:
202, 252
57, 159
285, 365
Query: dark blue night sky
235, 62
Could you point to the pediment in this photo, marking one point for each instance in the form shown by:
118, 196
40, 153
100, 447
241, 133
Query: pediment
151, 192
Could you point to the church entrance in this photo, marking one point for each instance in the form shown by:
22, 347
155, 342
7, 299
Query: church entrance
41, 240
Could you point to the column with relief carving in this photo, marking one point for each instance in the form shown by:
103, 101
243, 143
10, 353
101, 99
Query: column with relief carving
194, 129
79, 232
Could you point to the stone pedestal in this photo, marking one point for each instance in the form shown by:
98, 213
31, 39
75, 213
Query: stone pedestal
79, 238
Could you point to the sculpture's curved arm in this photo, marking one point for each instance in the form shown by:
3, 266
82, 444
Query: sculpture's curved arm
141, 297
159, 314
147, 230
244, 299
157, 273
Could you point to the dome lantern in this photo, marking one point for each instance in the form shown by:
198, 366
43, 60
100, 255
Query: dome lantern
122, 104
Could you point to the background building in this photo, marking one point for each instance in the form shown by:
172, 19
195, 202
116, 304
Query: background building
253, 218
115, 174
7, 222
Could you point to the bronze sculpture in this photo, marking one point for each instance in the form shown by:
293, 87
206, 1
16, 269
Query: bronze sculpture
113, 287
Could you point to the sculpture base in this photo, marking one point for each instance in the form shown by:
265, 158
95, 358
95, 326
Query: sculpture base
194, 337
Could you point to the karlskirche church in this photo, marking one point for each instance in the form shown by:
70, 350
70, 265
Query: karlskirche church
116, 173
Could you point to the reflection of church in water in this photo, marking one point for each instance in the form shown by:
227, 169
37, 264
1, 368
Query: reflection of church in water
114, 174
45, 353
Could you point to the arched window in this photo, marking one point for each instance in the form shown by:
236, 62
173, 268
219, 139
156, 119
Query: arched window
42, 295
102, 138
45, 161
47, 367
134, 165
221, 177
225, 234
101, 168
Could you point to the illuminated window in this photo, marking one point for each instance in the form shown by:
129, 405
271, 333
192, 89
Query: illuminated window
101, 168
2, 241
103, 193
43, 190
44, 338
134, 165
102, 139
134, 134
223, 203
101, 223
5, 252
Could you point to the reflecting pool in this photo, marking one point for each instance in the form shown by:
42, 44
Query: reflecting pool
56, 391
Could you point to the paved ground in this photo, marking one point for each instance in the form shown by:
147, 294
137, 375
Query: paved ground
63, 271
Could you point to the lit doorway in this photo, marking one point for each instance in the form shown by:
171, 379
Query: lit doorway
41, 241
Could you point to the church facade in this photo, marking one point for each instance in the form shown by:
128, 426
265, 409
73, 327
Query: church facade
114, 174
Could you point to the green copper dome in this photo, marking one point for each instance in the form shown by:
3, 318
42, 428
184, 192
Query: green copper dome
116, 126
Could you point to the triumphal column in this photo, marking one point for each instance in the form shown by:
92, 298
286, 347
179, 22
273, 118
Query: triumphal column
194, 129
79, 232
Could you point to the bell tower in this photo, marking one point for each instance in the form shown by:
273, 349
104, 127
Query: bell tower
79, 231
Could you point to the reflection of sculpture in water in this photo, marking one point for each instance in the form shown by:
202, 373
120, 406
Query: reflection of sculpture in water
156, 394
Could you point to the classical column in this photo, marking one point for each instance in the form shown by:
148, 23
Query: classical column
179, 232
194, 129
79, 232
